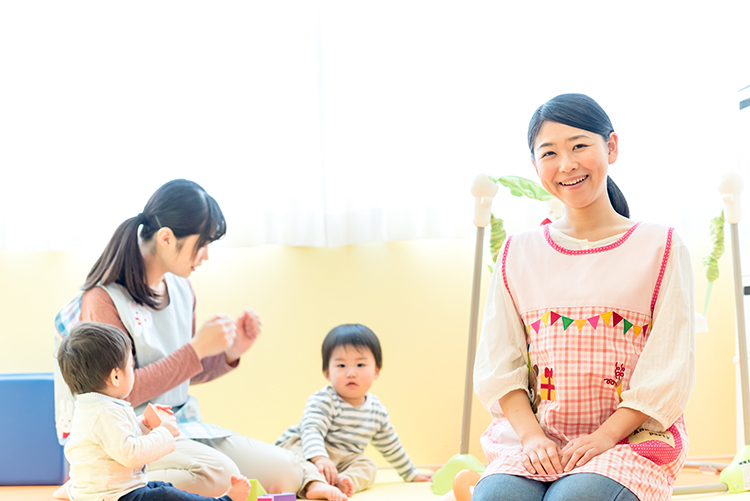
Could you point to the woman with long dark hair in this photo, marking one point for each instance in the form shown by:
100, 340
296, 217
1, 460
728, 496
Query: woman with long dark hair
587, 355
140, 285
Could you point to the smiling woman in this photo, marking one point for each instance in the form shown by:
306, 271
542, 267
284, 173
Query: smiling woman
572, 153
628, 288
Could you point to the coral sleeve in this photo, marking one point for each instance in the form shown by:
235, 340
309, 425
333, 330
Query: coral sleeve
153, 379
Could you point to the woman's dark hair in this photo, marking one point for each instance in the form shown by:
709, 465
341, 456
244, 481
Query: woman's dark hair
89, 353
181, 205
355, 335
581, 112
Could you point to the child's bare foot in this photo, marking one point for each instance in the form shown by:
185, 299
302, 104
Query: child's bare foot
240, 489
321, 490
62, 491
345, 485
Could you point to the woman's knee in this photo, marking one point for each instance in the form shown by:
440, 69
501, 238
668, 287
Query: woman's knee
288, 472
589, 487
277, 469
214, 473
502, 487
195, 467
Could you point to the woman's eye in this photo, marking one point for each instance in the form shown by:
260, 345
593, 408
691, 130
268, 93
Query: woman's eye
579, 146
547, 153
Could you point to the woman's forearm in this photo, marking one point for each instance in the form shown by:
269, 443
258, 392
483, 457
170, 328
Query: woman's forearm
166, 373
622, 423
517, 410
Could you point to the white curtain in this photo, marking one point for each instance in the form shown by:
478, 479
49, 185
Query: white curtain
337, 122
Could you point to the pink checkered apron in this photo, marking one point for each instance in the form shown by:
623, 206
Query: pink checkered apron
588, 316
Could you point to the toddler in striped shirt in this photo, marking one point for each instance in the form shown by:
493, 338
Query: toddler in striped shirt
341, 419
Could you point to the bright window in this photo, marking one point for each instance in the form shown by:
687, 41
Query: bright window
335, 123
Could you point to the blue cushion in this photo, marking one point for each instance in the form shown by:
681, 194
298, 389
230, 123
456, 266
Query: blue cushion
29, 451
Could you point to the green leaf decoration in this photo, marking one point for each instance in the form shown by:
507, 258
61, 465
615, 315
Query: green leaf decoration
711, 261
497, 236
520, 186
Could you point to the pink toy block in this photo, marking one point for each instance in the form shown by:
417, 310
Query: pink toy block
284, 496
154, 416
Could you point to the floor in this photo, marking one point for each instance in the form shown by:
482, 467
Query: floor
389, 486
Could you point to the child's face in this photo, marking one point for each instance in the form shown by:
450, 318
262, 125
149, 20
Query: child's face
351, 372
120, 383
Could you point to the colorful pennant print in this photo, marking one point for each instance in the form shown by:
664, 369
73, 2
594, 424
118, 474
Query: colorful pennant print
610, 318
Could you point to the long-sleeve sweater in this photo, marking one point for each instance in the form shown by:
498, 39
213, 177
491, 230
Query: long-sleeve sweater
329, 420
108, 451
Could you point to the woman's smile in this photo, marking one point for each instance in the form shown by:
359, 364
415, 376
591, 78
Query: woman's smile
575, 181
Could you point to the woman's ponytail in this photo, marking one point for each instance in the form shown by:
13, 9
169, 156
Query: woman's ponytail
180, 205
617, 199
122, 263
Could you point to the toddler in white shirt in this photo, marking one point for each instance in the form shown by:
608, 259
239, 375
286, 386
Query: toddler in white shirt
109, 446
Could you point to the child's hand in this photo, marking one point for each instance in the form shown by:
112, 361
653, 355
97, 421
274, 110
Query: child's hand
581, 450
172, 427
327, 468
168, 409
165, 408
423, 477
542, 456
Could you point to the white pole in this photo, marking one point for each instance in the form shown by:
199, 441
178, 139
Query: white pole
730, 188
483, 189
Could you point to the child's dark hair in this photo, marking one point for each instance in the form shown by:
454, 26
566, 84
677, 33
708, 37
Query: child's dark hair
89, 353
180, 205
581, 112
356, 335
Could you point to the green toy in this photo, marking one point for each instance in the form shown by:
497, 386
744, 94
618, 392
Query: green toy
734, 474
256, 490
442, 480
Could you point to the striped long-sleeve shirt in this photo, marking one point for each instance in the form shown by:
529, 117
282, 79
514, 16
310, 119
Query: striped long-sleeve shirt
329, 420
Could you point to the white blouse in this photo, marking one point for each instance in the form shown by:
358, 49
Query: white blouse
667, 360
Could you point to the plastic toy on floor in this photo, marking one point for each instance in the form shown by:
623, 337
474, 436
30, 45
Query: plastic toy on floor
463, 486
284, 496
256, 490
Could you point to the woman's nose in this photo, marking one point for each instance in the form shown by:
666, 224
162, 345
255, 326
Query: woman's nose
568, 163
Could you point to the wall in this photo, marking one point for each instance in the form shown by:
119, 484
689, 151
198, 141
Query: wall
415, 295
